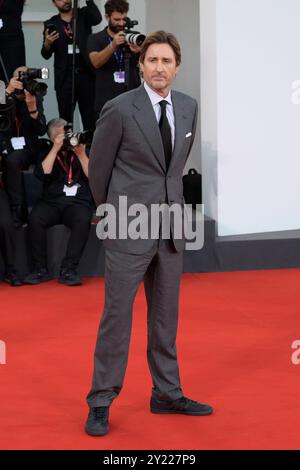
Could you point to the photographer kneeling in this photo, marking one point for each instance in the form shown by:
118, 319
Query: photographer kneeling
19, 142
66, 200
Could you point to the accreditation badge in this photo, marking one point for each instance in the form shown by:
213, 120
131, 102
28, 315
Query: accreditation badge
71, 191
70, 49
119, 77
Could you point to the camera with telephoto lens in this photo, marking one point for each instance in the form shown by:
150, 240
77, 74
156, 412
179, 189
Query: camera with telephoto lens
28, 78
133, 37
72, 139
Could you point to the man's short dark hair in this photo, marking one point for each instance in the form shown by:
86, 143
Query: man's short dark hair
161, 37
121, 6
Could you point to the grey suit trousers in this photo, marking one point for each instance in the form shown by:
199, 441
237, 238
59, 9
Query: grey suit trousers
161, 270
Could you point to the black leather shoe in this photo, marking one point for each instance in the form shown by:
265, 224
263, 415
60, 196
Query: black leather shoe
37, 276
97, 422
12, 278
69, 277
182, 405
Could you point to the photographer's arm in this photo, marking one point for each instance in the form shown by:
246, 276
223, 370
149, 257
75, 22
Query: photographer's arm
48, 162
36, 112
31, 104
98, 59
91, 13
79, 151
13, 85
48, 41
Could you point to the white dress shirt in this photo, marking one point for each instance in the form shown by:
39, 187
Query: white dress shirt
155, 98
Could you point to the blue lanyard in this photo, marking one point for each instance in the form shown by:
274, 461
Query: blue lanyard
119, 56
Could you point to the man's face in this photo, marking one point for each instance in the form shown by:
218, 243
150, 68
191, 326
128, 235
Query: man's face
116, 21
159, 68
64, 6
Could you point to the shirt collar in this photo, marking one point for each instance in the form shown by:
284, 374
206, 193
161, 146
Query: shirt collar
155, 98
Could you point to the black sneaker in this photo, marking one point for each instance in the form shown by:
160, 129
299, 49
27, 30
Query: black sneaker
37, 276
97, 422
182, 405
12, 278
69, 277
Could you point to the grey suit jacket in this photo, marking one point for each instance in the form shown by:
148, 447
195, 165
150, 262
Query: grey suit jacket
127, 157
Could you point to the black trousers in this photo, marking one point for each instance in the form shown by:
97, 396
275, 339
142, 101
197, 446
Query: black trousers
14, 164
160, 268
76, 216
12, 50
84, 96
7, 232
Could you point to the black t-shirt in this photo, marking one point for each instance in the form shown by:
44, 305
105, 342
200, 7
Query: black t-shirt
106, 87
10, 17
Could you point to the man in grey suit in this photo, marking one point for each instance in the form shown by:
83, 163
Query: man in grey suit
141, 144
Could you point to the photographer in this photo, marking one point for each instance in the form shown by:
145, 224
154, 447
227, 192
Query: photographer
106, 53
19, 144
66, 199
58, 40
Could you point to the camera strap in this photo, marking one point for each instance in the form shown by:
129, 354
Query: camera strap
119, 56
69, 171
18, 142
68, 30
18, 126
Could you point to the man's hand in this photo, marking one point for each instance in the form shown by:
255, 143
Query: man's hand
13, 85
50, 38
118, 39
30, 101
79, 151
135, 49
58, 142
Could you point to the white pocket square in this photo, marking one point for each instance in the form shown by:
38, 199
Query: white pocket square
188, 135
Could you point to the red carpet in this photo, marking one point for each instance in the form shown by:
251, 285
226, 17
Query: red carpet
235, 336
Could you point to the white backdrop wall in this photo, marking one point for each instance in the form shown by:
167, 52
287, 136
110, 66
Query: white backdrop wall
258, 127
209, 106
182, 19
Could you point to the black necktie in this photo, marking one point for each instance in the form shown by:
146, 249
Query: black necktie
165, 131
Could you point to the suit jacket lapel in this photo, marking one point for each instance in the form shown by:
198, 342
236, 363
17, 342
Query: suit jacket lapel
146, 120
180, 126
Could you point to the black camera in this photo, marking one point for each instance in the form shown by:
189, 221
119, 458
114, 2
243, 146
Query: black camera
76, 138
133, 37
28, 78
